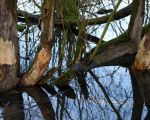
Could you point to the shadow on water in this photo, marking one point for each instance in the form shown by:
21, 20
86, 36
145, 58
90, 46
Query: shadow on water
47, 103
32, 103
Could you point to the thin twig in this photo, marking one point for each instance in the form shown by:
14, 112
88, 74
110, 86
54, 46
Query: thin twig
105, 94
105, 29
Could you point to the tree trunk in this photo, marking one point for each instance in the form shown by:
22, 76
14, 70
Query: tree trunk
43, 56
142, 68
9, 62
138, 101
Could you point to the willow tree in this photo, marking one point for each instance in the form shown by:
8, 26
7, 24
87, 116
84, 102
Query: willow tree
131, 49
9, 49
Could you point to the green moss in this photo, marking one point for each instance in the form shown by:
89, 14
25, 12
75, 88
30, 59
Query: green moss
105, 29
65, 78
70, 10
145, 29
67, 10
69, 75
122, 38
21, 27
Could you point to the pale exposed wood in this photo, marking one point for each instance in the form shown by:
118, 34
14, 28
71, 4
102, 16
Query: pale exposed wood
9, 48
42, 60
7, 52
142, 68
142, 61
141, 65
38, 68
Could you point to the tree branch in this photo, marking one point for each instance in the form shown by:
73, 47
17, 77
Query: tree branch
136, 21
34, 19
100, 20
88, 37
26, 17
118, 51
105, 94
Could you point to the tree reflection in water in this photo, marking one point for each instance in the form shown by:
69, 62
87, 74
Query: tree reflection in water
88, 101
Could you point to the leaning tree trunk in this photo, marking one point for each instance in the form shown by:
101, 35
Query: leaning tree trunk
141, 67
42, 59
9, 63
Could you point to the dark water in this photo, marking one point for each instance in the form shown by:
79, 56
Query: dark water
66, 103
35, 103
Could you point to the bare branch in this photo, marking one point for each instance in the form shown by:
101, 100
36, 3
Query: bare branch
136, 22
105, 94
34, 19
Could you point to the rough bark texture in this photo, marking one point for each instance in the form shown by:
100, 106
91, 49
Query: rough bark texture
115, 55
8, 45
136, 22
141, 65
142, 68
42, 60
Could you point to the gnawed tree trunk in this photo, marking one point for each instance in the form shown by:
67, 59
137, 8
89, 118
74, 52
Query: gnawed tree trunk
142, 68
9, 62
9, 48
42, 59
141, 65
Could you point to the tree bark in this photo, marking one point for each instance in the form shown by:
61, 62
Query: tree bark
142, 68
9, 62
141, 65
138, 101
42, 59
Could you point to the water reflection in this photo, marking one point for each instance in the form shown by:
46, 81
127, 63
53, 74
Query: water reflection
32, 103
12, 105
47, 103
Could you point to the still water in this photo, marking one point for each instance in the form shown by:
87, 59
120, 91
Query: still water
108, 99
